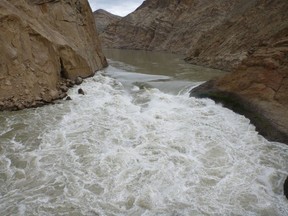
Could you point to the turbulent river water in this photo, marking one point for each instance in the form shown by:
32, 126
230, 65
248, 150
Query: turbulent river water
136, 144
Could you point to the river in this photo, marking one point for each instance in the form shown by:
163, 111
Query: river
136, 144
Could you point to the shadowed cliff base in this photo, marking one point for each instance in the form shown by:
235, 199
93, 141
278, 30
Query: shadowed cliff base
266, 126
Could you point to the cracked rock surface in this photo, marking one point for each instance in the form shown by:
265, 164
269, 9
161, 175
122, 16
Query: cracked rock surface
45, 44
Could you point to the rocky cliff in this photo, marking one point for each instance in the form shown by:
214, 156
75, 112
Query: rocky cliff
249, 37
217, 33
103, 19
258, 88
44, 46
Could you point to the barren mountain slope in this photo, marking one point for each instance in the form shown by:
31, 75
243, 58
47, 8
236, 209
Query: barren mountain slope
217, 33
103, 19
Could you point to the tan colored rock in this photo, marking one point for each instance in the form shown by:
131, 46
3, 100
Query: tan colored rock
43, 42
216, 33
103, 19
256, 89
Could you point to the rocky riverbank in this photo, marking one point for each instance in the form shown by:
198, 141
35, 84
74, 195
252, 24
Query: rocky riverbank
45, 46
258, 88
248, 38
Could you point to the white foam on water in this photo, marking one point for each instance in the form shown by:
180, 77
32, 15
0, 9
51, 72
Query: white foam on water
138, 152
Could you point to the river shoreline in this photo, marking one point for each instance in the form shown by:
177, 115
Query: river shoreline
263, 123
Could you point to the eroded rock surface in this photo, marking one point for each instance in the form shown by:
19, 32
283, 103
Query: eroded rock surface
258, 88
217, 34
103, 19
44, 46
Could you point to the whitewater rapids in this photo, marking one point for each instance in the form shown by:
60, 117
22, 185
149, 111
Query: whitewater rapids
137, 151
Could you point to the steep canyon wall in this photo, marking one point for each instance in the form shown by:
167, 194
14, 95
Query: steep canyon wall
258, 88
217, 34
247, 37
44, 46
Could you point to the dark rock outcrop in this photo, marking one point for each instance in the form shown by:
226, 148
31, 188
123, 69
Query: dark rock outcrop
103, 19
81, 91
286, 188
44, 46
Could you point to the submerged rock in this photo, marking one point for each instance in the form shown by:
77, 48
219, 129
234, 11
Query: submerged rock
143, 85
81, 91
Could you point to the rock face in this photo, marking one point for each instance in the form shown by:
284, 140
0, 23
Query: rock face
217, 33
249, 37
258, 88
103, 19
44, 46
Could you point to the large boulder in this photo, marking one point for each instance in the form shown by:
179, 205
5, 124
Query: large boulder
42, 43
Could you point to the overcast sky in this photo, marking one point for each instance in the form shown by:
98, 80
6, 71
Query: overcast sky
118, 7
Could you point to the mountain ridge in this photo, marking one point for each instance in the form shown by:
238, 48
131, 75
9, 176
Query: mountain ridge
104, 18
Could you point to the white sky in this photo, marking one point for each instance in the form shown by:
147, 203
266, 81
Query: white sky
117, 7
